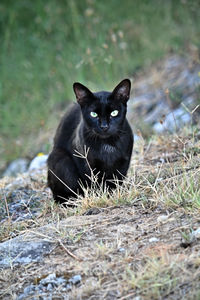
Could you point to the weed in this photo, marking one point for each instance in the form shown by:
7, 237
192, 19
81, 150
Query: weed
155, 279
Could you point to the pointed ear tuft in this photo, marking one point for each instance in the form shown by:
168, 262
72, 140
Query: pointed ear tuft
122, 91
83, 94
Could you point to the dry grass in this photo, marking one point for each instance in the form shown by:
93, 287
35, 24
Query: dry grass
135, 243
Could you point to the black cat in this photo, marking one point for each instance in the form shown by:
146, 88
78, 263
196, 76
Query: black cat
97, 125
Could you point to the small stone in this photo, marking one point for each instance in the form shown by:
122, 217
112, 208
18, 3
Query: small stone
39, 287
29, 289
121, 249
51, 278
60, 280
162, 219
68, 287
196, 233
49, 287
75, 279
153, 240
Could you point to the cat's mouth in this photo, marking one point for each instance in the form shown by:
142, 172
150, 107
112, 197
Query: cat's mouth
103, 134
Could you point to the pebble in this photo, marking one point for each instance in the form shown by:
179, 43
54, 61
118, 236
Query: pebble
75, 279
121, 249
47, 285
196, 233
162, 218
29, 289
153, 240
49, 279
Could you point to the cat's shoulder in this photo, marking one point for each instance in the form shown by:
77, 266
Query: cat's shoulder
70, 118
73, 107
73, 112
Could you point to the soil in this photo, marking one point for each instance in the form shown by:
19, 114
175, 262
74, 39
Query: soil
147, 249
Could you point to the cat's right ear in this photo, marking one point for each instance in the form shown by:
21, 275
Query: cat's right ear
83, 94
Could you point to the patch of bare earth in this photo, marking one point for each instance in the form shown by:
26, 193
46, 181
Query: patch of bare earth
142, 248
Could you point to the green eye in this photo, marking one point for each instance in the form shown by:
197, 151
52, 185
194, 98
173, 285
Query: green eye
93, 114
114, 113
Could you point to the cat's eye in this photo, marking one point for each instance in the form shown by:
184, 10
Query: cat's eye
93, 114
114, 113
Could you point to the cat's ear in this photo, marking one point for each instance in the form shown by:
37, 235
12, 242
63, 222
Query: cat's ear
83, 94
122, 91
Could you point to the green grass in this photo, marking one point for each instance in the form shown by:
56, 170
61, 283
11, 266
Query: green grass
156, 279
47, 45
186, 192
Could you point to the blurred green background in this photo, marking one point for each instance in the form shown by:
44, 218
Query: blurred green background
47, 45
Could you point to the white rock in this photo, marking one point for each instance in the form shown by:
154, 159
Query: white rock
196, 233
162, 218
153, 240
38, 162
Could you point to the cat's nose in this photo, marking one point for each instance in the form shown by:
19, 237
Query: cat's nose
104, 127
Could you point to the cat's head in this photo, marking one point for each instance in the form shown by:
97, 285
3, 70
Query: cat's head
104, 112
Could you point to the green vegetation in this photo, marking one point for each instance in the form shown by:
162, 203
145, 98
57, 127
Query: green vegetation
47, 45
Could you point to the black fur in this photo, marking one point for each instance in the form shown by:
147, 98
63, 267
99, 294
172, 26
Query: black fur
108, 139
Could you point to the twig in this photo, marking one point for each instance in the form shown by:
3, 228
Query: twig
63, 183
69, 252
6, 204
170, 105
128, 295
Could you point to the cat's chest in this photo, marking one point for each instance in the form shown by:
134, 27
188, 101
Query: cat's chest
107, 149
105, 156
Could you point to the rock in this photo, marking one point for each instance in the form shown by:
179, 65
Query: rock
22, 204
23, 250
173, 121
48, 285
38, 162
153, 240
161, 89
29, 289
196, 233
53, 280
75, 279
162, 218
156, 113
19, 165
121, 249
92, 211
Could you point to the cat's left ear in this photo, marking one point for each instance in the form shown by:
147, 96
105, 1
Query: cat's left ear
122, 91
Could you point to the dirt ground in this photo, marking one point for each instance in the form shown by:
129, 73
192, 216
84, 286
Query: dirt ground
147, 248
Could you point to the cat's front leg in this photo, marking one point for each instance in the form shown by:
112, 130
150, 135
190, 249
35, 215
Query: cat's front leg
63, 176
